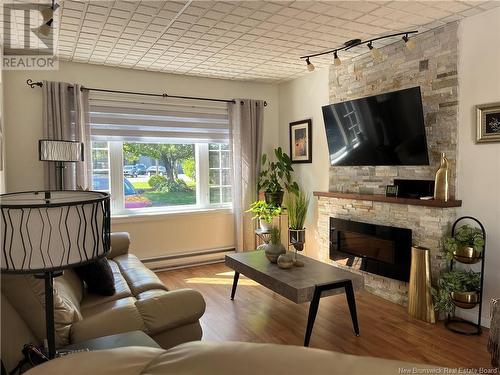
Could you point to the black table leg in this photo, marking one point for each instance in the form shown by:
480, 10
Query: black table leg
235, 284
313, 310
351, 301
313, 307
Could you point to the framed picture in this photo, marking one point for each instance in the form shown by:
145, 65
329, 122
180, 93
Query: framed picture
488, 122
301, 141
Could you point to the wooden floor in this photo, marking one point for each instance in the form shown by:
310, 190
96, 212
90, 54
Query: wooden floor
259, 315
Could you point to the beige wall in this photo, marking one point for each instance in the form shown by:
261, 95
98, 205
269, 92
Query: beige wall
154, 235
479, 164
301, 99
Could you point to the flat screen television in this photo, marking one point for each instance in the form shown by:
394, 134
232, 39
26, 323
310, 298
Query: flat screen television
384, 129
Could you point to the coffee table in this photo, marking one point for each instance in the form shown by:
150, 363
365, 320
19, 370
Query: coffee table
298, 284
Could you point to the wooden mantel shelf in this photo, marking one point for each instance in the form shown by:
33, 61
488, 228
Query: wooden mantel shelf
383, 198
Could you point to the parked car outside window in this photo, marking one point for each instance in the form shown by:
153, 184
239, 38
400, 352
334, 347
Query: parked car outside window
140, 169
129, 171
153, 170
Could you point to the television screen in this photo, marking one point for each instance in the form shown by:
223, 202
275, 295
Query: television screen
385, 129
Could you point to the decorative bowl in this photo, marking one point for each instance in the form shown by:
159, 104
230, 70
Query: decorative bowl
467, 255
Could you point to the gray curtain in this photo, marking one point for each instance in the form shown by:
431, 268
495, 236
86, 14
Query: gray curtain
245, 134
66, 117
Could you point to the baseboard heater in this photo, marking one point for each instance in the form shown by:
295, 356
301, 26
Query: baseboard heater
186, 259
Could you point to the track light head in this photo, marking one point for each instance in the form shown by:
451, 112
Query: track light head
410, 43
46, 28
310, 65
374, 51
336, 60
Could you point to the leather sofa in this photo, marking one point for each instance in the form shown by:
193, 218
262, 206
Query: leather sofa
141, 302
222, 359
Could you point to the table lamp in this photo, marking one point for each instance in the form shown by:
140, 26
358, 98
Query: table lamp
44, 232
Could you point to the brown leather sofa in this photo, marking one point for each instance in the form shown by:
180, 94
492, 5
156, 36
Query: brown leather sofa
223, 359
141, 302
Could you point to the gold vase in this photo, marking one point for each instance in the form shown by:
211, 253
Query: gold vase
420, 303
441, 186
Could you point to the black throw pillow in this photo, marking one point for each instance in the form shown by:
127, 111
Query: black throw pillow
98, 277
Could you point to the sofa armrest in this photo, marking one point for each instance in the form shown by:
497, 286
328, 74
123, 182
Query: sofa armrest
168, 310
120, 242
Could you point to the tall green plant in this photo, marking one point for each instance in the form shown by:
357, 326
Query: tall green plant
277, 175
275, 235
297, 206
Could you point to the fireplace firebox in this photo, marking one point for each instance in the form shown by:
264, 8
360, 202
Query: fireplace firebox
378, 249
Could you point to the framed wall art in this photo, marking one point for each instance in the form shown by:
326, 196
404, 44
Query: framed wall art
301, 141
488, 122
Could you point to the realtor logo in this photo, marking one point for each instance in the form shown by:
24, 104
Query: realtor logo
28, 36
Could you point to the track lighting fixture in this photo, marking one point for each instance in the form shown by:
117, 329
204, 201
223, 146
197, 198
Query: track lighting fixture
310, 65
410, 43
376, 54
336, 60
374, 51
48, 19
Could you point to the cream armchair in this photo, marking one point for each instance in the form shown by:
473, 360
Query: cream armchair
141, 302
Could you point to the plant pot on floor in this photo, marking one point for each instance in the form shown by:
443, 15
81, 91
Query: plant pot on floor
275, 198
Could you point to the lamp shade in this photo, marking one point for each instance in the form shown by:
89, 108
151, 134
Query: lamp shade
52, 230
67, 151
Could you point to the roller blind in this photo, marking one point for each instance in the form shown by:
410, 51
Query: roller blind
122, 117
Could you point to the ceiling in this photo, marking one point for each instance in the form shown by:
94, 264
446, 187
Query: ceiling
244, 40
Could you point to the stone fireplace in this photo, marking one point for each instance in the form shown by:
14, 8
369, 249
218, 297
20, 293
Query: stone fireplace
428, 224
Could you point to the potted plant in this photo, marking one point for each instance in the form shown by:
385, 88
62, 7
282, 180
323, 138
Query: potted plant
276, 177
466, 245
456, 288
274, 248
297, 206
265, 213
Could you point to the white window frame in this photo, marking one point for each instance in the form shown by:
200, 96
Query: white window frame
202, 185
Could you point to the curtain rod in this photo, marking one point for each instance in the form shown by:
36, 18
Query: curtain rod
32, 84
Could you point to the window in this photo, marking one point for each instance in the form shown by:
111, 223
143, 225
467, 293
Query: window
159, 158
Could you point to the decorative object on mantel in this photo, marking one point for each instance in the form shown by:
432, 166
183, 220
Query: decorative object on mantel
494, 339
391, 191
297, 206
420, 303
301, 141
265, 213
488, 122
409, 43
276, 177
441, 187
465, 288
274, 248
48, 231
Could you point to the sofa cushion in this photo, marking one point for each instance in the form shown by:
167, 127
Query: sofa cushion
98, 277
108, 319
27, 296
121, 289
138, 276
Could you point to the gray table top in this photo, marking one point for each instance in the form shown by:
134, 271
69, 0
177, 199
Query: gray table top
297, 284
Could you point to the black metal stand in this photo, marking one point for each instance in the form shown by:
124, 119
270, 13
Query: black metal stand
313, 307
452, 323
49, 310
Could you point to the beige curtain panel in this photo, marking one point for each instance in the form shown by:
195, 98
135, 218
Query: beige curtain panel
245, 136
66, 117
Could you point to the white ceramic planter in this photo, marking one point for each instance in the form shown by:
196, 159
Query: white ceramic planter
265, 225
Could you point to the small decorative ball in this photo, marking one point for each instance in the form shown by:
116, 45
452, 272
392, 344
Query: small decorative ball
285, 261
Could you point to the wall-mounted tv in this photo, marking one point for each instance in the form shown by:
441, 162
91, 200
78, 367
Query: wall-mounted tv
384, 129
